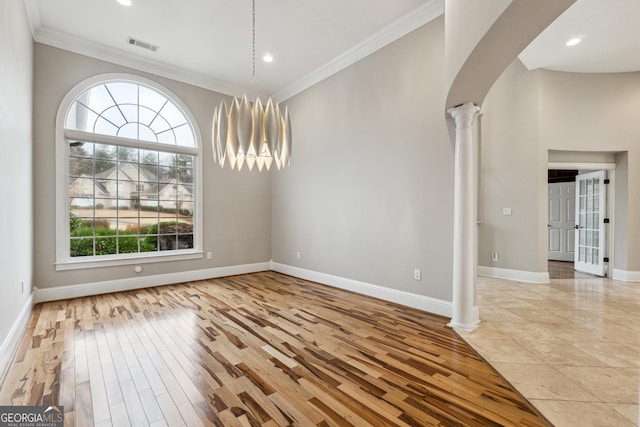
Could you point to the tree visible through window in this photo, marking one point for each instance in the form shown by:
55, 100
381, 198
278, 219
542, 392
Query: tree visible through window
131, 172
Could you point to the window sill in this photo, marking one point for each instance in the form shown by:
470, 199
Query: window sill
78, 264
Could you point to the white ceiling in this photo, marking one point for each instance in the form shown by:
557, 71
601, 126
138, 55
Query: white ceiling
208, 42
610, 30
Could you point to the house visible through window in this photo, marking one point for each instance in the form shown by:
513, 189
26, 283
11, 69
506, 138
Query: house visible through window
131, 156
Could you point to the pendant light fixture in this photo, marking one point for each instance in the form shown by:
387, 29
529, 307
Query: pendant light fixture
249, 133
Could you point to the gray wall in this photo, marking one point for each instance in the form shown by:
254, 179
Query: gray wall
236, 205
369, 194
509, 173
531, 117
16, 219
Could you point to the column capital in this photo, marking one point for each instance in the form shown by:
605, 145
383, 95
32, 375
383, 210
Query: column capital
464, 114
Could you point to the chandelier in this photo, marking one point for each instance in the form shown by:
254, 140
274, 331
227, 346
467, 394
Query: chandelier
246, 132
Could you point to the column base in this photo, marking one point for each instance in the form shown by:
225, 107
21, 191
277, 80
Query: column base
467, 327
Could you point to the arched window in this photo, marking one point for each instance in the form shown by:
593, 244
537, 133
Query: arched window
128, 167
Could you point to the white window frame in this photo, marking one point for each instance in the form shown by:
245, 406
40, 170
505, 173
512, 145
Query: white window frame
64, 261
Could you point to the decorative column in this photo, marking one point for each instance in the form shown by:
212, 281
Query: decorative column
465, 314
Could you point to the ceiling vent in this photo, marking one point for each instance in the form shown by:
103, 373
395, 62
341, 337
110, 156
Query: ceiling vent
140, 43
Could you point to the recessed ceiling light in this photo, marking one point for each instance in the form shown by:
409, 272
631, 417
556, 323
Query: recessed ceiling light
125, 2
267, 57
574, 41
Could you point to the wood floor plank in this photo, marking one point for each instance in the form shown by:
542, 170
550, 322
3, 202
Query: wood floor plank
260, 349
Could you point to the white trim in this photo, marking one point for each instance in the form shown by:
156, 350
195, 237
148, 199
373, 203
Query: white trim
420, 302
413, 20
517, 275
12, 341
119, 285
626, 276
99, 51
112, 261
63, 260
78, 135
33, 14
392, 32
580, 166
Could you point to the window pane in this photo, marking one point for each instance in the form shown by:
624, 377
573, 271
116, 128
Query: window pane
149, 157
158, 124
145, 133
123, 92
80, 149
78, 203
114, 116
79, 166
168, 159
106, 152
129, 130
81, 118
106, 245
172, 114
128, 244
81, 247
104, 127
167, 175
151, 99
97, 99
123, 199
184, 136
167, 137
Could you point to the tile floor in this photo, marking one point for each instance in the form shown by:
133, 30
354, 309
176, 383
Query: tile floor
571, 347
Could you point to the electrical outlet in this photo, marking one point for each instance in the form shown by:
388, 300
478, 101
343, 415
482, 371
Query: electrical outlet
495, 256
417, 274
297, 255
209, 255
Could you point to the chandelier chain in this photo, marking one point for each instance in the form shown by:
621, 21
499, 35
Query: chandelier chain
253, 43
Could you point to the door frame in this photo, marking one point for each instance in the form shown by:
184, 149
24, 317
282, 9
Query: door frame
610, 205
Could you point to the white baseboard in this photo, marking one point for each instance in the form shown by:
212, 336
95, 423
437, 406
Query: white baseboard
626, 276
10, 344
95, 288
516, 275
421, 302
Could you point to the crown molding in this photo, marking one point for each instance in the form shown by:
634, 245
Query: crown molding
392, 32
115, 56
413, 20
33, 14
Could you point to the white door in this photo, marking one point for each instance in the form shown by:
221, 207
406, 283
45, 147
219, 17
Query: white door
590, 212
562, 221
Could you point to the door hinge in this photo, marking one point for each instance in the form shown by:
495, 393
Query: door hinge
606, 180
606, 259
606, 220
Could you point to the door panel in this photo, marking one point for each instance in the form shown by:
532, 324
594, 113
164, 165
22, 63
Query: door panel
561, 221
590, 209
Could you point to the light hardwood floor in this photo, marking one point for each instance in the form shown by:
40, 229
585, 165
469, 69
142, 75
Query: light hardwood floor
260, 349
